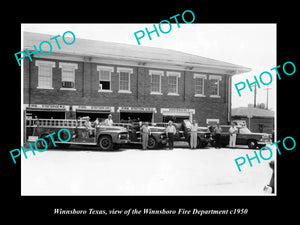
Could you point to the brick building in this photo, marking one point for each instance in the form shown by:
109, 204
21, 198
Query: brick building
95, 78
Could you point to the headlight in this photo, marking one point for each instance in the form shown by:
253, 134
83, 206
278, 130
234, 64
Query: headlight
163, 136
123, 136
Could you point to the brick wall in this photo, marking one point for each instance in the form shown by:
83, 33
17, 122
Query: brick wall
87, 85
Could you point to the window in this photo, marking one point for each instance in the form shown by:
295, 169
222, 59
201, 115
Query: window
155, 83
105, 78
199, 85
173, 83
214, 86
68, 75
124, 79
44, 74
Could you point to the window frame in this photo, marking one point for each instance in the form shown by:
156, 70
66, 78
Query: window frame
218, 78
203, 77
160, 73
69, 66
177, 75
109, 69
125, 70
40, 63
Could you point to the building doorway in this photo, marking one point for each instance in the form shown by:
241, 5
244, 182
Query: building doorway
175, 119
126, 117
92, 114
45, 114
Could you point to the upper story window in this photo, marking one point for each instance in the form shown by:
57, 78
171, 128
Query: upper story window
45, 73
173, 82
68, 75
155, 82
105, 78
124, 79
215, 86
199, 84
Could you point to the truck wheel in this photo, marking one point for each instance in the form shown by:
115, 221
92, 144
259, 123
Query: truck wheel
152, 144
105, 143
42, 145
252, 144
199, 143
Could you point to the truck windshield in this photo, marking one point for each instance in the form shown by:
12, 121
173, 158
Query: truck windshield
188, 123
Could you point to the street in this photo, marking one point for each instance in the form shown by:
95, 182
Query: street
83, 170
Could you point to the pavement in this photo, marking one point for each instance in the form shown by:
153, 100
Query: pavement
84, 170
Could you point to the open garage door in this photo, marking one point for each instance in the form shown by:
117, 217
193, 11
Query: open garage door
135, 117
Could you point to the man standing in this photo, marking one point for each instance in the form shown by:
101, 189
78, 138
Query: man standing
145, 130
218, 131
194, 129
171, 131
232, 135
109, 121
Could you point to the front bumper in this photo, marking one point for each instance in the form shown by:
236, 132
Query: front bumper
264, 142
122, 141
163, 141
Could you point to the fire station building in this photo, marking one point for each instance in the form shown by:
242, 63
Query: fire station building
96, 78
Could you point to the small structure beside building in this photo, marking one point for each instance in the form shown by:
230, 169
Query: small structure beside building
257, 119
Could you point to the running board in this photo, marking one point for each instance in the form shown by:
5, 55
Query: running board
76, 143
135, 143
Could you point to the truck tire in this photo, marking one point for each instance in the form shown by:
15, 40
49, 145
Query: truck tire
41, 144
152, 144
252, 144
105, 143
199, 143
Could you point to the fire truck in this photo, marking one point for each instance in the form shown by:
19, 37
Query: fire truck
81, 130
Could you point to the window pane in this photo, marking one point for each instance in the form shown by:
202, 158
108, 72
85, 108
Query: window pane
214, 86
172, 84
155, 83
45, 76
199, 86
68, 75
104, 75
104, 80
124, 81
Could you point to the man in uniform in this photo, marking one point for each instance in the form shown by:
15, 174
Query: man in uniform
109, 121
218, 131
145, 130
232, 135
170, 131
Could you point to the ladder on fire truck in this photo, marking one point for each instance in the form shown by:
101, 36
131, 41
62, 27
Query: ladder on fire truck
56, 123
52, 123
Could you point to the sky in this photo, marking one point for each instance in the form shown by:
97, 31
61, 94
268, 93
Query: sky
248, 45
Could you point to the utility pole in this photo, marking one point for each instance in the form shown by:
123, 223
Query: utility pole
267, 89
254, 96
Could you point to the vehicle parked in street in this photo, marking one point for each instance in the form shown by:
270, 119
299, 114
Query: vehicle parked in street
157, 138
82, 133
245, 137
